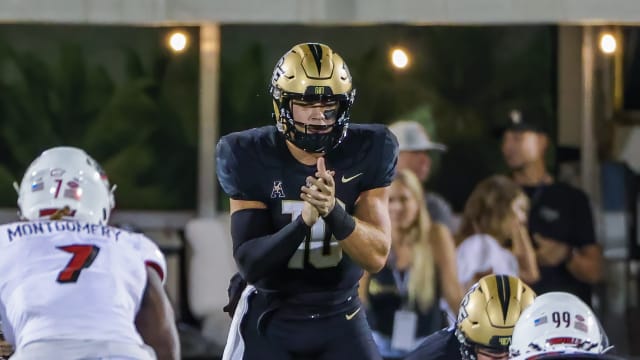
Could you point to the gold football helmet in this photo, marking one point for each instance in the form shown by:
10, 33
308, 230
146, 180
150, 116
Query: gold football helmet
312, 72
489, 312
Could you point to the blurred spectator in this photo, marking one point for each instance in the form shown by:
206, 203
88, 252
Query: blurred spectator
415, 154
493, 234
421, 266
488, 314
560, 217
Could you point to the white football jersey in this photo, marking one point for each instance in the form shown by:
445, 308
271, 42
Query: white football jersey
72, 280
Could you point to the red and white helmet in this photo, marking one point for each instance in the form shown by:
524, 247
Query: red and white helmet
556, 323
65, 177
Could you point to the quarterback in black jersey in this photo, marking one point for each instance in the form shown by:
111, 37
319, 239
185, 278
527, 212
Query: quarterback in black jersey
308, 213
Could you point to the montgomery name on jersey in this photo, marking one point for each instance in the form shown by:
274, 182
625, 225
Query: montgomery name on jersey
256, 165
72, 280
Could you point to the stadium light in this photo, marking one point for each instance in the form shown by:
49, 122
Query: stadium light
178, 41
608, 43
399, 58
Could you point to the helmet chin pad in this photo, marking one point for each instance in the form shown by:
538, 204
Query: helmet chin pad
315, 142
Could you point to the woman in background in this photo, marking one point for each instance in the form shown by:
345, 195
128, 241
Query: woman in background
402, 299
493, 236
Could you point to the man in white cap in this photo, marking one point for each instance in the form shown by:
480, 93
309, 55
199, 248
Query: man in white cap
415, 147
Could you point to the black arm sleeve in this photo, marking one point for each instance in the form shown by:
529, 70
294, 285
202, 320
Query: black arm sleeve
256, 248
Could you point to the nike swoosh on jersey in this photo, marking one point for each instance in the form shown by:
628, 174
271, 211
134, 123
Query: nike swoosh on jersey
346, 180
350, 316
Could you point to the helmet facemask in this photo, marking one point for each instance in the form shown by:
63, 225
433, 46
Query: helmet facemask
469, 349
314, 142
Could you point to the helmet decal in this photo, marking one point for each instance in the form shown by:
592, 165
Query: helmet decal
504, 294
316, 51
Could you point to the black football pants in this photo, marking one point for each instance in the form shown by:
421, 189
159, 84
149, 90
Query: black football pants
342, 336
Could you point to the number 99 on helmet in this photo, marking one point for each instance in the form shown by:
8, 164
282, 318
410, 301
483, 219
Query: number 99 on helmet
66, 183
488, 314
312, 72
558, 322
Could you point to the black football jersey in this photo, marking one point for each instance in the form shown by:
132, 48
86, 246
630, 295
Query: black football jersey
256, 165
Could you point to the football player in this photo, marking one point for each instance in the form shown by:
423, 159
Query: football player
487, 316
557, 325
73, 287
308, 213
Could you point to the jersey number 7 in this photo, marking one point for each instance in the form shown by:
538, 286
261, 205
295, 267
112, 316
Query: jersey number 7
83, 257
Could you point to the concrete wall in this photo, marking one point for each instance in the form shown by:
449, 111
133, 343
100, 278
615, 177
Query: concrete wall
320, 11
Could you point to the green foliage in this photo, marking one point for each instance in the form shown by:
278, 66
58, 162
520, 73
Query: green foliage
244, 98
142, 128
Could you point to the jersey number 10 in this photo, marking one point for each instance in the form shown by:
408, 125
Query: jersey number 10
315, 245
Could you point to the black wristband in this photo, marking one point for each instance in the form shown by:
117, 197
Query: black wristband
340, 222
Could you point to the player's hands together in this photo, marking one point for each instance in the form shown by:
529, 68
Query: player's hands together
309, 214
321, 190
